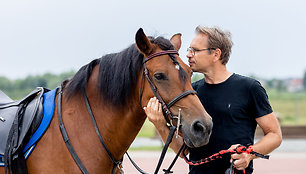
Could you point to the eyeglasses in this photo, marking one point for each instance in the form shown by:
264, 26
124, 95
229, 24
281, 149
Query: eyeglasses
193, 51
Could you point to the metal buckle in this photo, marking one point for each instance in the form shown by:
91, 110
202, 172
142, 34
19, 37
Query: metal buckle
2, 119
120, 168
178, 123
178, 117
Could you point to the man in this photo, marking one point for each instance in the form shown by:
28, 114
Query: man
236, 104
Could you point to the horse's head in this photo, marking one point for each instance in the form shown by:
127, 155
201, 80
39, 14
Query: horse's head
172, 77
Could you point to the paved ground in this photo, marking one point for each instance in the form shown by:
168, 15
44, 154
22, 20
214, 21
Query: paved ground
289, 158
279, 163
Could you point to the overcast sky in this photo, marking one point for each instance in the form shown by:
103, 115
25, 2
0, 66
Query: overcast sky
61, 35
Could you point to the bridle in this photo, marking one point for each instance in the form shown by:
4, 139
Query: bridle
169, 117
165, 107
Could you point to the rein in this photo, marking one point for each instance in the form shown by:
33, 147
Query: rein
65, 135
69, 145
116, 163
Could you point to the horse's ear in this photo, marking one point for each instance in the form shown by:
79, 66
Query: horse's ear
143, 43
176, 41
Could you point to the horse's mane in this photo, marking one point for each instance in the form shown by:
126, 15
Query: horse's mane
118, 73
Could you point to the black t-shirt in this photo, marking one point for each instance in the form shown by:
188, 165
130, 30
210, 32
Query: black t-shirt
233, 105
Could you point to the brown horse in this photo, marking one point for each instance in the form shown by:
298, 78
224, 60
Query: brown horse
116, 92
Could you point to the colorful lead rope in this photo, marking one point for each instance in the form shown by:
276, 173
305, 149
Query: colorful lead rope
239, 149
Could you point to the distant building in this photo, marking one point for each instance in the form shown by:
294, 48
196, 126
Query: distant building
294, 84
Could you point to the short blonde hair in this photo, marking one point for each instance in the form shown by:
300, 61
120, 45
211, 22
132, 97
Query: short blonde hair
218, 39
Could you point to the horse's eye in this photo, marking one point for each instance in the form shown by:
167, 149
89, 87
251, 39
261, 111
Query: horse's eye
160, 76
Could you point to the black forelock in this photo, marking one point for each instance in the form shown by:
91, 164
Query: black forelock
163, 43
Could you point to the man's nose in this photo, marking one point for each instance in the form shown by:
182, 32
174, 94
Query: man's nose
189, 55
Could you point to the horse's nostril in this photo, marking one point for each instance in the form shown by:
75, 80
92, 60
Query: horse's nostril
198, 127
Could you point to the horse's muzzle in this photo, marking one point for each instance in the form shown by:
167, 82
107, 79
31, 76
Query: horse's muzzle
198, 133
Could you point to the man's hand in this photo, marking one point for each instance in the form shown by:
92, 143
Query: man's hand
154, 112
155, 115
241, 160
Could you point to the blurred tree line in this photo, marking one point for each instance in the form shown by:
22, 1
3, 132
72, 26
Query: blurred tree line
280, 85
16, 89
304, 81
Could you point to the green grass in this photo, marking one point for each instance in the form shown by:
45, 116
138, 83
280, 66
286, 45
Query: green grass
146, 148
147, 130
290, 107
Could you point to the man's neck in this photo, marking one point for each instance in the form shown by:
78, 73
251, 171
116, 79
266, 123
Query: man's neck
217, 76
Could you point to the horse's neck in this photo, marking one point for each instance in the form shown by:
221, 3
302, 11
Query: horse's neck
119, 124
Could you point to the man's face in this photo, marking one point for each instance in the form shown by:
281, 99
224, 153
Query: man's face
199, 61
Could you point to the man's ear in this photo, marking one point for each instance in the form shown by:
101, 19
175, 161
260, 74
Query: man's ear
176, 41
143, 43
217, 54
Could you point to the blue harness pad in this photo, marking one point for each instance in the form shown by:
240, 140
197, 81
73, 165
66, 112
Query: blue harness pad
48, 107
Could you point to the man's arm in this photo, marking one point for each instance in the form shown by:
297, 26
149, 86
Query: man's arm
155, 115
272, 132
271, 140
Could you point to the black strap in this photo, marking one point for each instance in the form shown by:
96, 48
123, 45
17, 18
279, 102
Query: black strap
96, 127
260, 155
179, 97
135, 165
159, 54
65, 135
12, 140
13, 158
167, 171
167, 114
69, 145
231, 168
116, 163
162, 156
